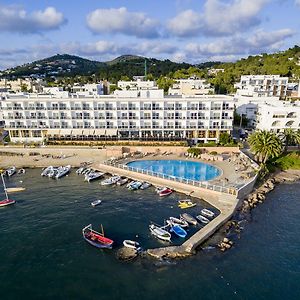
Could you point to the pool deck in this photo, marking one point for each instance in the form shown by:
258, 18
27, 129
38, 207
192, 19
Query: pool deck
224, 202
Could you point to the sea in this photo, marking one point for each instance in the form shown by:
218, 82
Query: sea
43, 254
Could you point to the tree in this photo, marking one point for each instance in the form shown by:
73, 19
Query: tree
290, 137
265, 145
225, 139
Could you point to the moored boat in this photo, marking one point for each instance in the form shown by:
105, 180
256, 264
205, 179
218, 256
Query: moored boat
207, 213
122, 181
134, 185
10, 171
6, 201
132, 244
202, 219
111, 180
96, 202
145, 185
165, 192
80, 170
179, 231
175, 221
95, 238
186, 204
46, 171
190, 219
160, 232
93, 176
62, 171
21, 171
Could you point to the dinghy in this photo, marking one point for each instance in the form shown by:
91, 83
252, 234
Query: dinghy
122, 181
6, 201
175, 221
165, 192
95, 238
207, 213
62, 171
96, 202
145, 185
179, 231
111, 180
21, 171
186, 204
134, 185
93, 176
190, 219
132, 244
160, 232
202, 219
11, 171
47, 171
80, 170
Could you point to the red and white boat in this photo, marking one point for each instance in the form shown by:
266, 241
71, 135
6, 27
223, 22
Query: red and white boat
95, 238
6, 201
165, 192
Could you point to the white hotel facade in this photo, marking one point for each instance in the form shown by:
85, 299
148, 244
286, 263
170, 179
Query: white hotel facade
140, 114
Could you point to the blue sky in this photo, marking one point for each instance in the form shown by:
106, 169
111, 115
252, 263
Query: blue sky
180, 30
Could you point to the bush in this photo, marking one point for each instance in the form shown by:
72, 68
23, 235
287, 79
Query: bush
209, 144
213, 152
288, 161
194, 151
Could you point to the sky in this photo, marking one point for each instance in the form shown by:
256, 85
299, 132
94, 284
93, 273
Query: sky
180, 30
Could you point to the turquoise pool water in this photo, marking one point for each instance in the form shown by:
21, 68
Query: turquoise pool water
179, 168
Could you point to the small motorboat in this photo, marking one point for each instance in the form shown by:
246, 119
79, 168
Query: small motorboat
15, 189
190, 219
122, 181
11, 171
145, 185
179, 231
80, 170
134, 185
186, 204
46, 171
93, 176
207, 213
132, 244
21, 171
6, 201
95, 238
160, 232
111, 180
96, 202
202, 219
62, 171
175, 221
165, 192
52, 173
86, 171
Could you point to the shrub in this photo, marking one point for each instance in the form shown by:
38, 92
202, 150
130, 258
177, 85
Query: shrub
195, 151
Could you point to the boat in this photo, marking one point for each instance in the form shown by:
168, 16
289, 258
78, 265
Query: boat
175, 221
46, 171
96, 202
207, 213
52, 173
111, 180
134, 185
186, 204
160, 232
93, 176
145, 185
95, 238
132, 244
15, 189
122, 181
80, 170
190, 219
86, 171
165, 192
179, 231
11, 171
62, 171
6, 201
21, 171
202, 219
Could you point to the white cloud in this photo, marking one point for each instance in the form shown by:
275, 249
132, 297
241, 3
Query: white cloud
16, 19
218, 18
122, 21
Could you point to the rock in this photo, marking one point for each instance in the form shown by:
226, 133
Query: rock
227, 246
126, 253
225, 240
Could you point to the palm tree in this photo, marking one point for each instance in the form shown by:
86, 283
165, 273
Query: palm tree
290, 137
265, 145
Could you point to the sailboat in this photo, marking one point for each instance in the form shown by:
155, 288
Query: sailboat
6, 201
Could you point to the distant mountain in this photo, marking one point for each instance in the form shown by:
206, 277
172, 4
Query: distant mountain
64, 65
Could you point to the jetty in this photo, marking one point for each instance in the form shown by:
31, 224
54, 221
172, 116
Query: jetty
225, 199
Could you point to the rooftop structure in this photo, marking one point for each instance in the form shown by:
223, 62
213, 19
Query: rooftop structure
190, 87
136, 85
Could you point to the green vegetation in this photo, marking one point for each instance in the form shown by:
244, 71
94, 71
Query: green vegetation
290, 137
194, 151
288, 161
225, 139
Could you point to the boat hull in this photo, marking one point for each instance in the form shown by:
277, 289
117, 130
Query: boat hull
7, 202
98, 244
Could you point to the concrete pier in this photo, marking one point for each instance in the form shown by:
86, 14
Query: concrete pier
225, 203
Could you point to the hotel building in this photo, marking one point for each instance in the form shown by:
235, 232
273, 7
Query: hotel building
139, 114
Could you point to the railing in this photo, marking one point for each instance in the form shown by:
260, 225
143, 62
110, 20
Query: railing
205, 185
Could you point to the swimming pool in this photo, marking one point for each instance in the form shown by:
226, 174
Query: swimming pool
179, 168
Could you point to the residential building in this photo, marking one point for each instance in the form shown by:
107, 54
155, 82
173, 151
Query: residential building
137, 85
140, 114
91, 89
21, 85
190, 87
262, 86
278, 117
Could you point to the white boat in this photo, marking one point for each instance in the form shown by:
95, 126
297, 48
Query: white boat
96, 202
145, 185
111, 180
134, 185
21, 171
190, 219
132, 244
160, 232
93, 176
46, 171
175, 221
80, 170
86, 171
202, 219
207, 213
122, 181
52, 173
11, 171
62, 171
